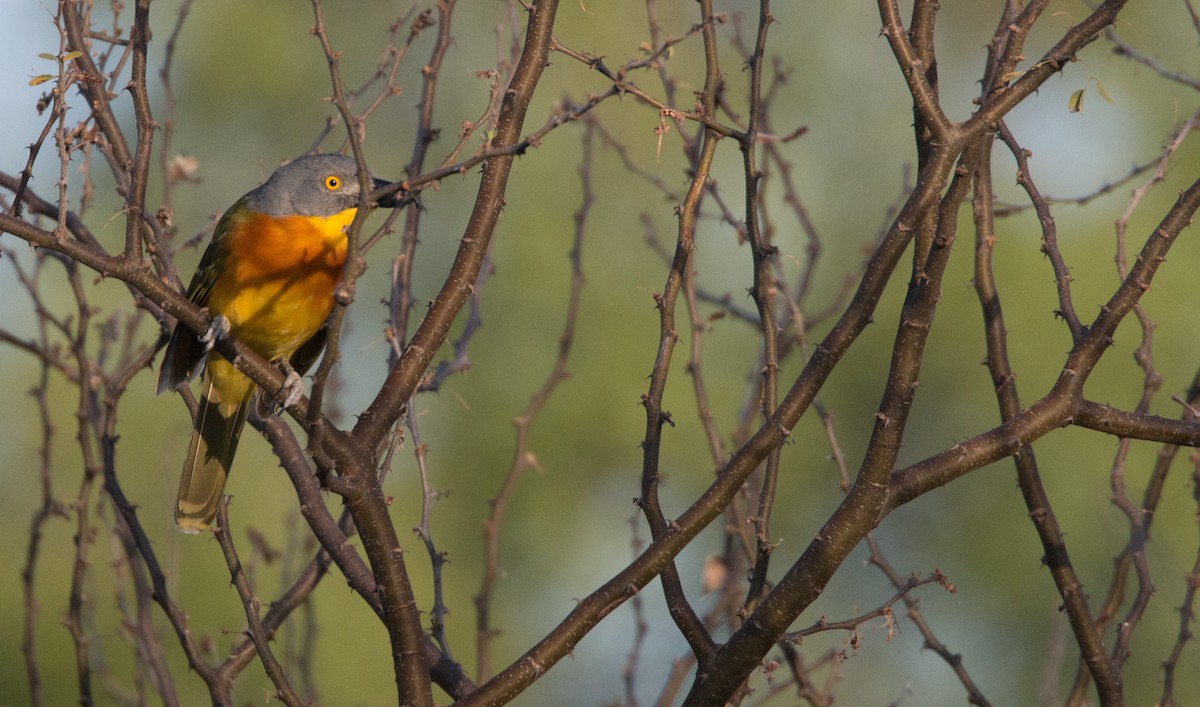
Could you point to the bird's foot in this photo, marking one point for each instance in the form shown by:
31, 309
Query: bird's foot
293, 385
217, 330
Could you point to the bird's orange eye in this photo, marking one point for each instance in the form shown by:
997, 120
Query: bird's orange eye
332, 183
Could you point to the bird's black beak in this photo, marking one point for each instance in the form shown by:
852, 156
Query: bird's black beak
390, 201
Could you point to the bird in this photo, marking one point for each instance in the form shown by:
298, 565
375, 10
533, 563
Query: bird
268, 278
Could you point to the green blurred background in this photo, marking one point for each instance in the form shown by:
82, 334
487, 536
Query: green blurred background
249, 81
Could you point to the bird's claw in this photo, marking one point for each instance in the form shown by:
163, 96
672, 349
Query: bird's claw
292, 389
217, 330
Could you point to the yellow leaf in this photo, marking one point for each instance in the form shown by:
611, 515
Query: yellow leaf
1104, 92
41, 78
47, 56
1075, 102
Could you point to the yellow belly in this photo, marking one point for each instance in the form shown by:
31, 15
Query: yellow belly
276, 284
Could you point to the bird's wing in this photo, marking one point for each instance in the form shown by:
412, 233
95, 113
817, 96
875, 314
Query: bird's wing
185, 355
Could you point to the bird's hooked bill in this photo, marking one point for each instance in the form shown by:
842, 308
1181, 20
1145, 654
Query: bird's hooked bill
390, 201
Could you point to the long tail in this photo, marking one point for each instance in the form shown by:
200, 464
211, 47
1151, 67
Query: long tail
214, 440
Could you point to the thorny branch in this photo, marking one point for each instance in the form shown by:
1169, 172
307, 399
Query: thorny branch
755, 602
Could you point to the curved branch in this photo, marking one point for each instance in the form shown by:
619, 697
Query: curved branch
385, 409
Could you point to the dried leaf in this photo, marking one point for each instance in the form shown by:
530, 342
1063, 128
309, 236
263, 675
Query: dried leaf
1104, 92
1075, 102
713, 575
40, 79
182, 168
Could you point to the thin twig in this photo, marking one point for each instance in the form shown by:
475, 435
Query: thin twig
252, 607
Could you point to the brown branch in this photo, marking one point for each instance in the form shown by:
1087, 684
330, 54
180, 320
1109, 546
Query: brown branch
1076, 38
621, 86
640, 627
1187, 609
437, 560
883, 610
825, 357
1135, 425
681, 611
401, 301
365, 499
914, 66
1041, 206
1056, 557
1123, 48
863, 506
49, 506
136, 223
94, 91
252, 606
1059, 405
523, 458
382, 413
356, 454
85, 417
913, 613
763, 254
219, 687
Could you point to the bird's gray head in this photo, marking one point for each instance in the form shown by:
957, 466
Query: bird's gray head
313, 185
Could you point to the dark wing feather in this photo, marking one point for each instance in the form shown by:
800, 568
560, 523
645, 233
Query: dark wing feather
185, 355
308, 353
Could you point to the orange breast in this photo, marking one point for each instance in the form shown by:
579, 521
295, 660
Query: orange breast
276, 283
